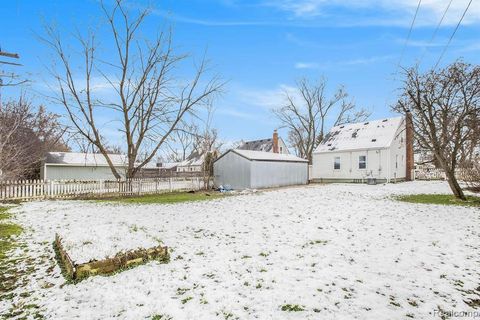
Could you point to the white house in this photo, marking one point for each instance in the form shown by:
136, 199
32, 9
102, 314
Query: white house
379, 149
81, 166
243, 169
194, 163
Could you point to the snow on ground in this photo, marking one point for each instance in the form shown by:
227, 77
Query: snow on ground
339, 251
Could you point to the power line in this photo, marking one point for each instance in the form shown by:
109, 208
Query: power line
436, 31
453, 34
409, 34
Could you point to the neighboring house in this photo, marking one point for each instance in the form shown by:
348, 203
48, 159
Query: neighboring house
274, 144
242, 169
166, 167
379, 149
194, 163
81, 166
158, 170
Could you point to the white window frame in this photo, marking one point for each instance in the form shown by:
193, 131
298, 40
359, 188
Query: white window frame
365, 161
335, 163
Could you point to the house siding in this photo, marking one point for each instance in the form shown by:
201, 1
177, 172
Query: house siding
51, 172
398, 150
376, 165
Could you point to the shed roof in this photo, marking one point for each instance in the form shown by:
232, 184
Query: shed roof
84, 159
265, 156
360, 136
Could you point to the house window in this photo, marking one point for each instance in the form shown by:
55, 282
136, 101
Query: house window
336, 163
396, 161
281, 149
362, 162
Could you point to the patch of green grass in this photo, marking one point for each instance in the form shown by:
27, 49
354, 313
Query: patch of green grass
186, 300
161, 317
165, 198
292, 308
3, 214
445, 199
7, 230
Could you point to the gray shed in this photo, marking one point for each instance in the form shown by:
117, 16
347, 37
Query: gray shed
242, 169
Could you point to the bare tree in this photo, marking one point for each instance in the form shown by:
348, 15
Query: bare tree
307, 110
25, 135
149, 101
208, 144
444, 105
472, 172
182, 142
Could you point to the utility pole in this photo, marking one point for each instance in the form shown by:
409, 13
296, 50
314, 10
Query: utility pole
12, 75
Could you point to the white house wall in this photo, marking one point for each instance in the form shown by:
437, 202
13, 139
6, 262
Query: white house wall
50, 172
398, 154
269, 174
377, 165
282, 147
232, 170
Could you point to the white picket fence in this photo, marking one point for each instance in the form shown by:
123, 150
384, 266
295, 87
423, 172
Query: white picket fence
57, 189
439, 174
429, 174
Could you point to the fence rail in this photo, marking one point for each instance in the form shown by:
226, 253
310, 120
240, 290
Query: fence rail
439, 174
58, 189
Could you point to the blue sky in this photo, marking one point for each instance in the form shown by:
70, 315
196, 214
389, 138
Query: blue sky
262, 46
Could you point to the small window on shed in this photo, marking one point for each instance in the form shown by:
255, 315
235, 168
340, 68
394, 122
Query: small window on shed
362, 162
336, 163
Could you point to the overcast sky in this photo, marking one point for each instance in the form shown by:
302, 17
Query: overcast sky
262, 46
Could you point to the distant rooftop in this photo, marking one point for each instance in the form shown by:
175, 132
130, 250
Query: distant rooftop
194, 159
362, 135
265, 145
84, 159
88, 159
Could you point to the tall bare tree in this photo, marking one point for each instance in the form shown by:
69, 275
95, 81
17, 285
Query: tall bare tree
149, 100
444, 104
26, 133
307, 110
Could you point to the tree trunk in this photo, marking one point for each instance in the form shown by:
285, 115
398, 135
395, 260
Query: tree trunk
454, 185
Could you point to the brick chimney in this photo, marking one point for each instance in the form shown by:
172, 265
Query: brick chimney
410, 163
275, 141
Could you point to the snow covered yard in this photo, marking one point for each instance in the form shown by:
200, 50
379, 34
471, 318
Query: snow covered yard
339, 251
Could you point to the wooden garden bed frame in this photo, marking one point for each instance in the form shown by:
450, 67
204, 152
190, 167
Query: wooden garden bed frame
120, 262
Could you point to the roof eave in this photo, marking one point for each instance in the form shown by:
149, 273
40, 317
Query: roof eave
351, 150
